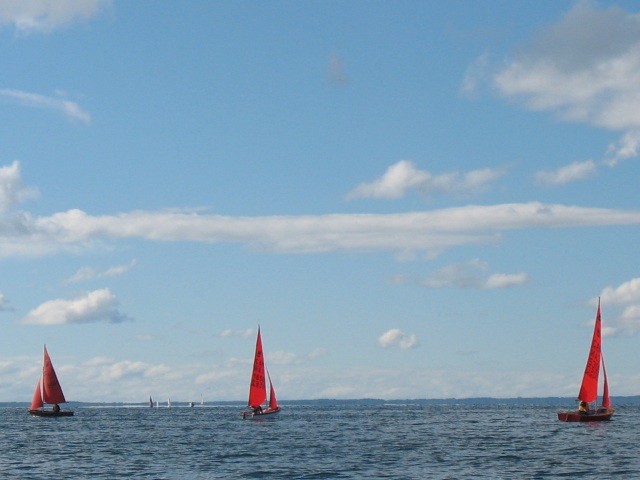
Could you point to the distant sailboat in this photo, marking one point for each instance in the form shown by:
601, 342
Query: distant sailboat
258, 387
48, 391
169, 403
589, 388
150, 403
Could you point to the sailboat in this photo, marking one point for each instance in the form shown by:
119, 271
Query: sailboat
150, 402
589, 389
258, 387
48, 391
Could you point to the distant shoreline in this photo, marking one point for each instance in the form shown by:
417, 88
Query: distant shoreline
541, 401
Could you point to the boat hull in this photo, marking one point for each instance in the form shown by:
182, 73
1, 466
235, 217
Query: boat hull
50, 413
268, 412
601, 415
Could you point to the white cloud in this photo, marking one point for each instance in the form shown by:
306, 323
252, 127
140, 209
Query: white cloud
427, 231
393, 184
245, 333
12, 190
85, 274
568, 173
92, 307
397, 338
622, 295
62, 105
404, 175
48, 15
4, 303
503, 280
472, 275
586, 68
624, 149
620, 308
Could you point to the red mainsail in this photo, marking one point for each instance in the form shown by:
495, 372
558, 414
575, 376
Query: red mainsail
48, 389
258, 387
589, 388
51, 389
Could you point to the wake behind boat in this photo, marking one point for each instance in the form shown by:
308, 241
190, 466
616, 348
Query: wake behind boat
588, 411
48, 391
258, 388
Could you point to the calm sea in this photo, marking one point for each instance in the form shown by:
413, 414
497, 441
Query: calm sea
399, 442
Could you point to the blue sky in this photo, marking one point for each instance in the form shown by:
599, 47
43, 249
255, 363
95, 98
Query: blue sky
412, 199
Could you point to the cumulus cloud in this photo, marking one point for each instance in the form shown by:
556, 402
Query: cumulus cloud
403, 176
62, 105
397, 338
625, 299
585, 69
28, 16
12, 190
472, 275
91, 307
88, 273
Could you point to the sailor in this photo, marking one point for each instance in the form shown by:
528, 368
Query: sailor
56, 408
583, 408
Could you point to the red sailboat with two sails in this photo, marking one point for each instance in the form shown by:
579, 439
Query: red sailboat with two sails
588, 411
258, 387
48, 391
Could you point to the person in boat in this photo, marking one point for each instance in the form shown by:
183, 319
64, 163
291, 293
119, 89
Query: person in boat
583, 408
257, 410
56, 408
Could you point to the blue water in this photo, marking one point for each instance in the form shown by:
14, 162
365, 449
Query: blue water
397, 442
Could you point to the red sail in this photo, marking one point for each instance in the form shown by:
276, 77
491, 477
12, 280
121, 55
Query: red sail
273, 401
606, 401
589, 389
258, 387
51, 389
36, 402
